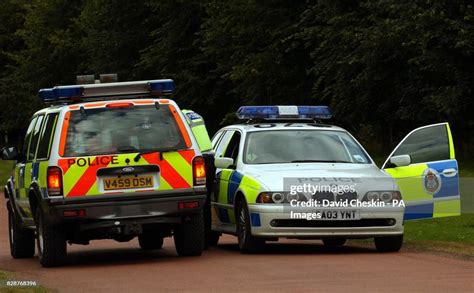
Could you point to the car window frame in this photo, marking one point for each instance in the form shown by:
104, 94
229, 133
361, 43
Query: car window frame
51, 137
387, 161
42, 115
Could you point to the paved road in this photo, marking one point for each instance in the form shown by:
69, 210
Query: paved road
285, 266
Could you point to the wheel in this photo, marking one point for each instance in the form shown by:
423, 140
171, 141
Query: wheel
149, 241
51, 242
247, 242
22, 241
189, 236
389, 243
334, 242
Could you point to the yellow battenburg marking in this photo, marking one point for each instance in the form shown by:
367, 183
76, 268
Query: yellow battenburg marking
251, 188
410, 182
180, 165
447, 208
223, 185
27, 179
43, 170
231, 213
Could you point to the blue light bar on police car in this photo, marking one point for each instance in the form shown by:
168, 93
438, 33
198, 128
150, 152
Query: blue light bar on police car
95, 91
284, 112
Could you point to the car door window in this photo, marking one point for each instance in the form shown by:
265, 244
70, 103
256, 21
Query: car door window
232, 150
223, 143
216, 138
26, 143
426, 144
34, 139
46, 136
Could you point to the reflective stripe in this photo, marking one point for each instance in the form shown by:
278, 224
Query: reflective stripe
180, 123
175, 171
451, 143
88, 179
62, 141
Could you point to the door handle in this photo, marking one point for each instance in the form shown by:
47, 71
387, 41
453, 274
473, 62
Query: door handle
451, 172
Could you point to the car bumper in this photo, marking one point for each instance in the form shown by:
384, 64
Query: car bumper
276, 221
147, 208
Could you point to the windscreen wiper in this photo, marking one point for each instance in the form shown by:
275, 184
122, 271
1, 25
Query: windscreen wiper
320, 161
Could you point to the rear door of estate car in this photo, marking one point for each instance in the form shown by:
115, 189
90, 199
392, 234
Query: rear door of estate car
426, 171
117, 147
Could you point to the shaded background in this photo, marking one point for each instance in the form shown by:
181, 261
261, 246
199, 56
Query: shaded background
385, 67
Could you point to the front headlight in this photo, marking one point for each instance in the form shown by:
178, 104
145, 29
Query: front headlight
279, 197
387, 196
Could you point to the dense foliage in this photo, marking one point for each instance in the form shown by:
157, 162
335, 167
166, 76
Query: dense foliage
384, 66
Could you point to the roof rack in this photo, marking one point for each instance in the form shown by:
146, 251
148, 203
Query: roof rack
115, 90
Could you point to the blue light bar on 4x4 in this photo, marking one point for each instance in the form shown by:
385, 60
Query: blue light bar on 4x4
106, 90
284, 112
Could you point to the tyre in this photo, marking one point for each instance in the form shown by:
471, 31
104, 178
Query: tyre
51, 242
389, 243
247, 242
189, 236
334, 242
150, 241
22, 241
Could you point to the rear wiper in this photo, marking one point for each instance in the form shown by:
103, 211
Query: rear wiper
127, 149
319, 161
145, 152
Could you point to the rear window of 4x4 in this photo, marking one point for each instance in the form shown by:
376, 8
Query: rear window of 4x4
121, 130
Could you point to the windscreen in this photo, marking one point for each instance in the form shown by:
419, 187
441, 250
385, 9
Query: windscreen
122, 130
291, 146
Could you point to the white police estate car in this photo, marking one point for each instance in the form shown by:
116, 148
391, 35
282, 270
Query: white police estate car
282, 173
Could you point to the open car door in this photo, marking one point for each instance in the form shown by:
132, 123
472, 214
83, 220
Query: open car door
426, 171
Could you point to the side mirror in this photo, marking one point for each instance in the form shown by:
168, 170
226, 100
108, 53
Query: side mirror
223, 163
9, 153
401, 160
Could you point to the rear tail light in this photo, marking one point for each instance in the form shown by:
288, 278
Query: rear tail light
55, 181
199, 171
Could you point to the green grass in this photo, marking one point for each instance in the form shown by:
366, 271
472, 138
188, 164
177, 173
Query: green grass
7, 276
6, 168
451, 235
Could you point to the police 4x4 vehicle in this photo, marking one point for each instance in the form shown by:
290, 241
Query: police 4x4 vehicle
282, 174
112, 160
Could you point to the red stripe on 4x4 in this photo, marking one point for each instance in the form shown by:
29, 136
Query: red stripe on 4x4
174, 179
88, 179
188, 155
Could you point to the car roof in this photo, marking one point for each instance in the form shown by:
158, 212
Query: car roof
60, 107
287, 125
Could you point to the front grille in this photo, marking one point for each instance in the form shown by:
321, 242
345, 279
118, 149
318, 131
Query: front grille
343, 223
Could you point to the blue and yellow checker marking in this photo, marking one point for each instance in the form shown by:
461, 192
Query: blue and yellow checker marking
411, 183
229, 182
